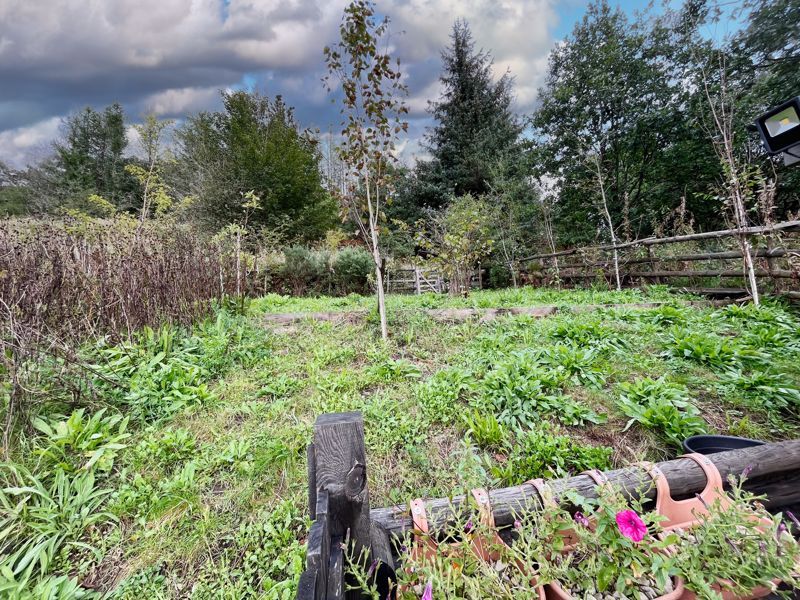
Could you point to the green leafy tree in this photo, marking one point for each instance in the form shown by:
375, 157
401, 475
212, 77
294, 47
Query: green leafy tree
155, 195
457, 238
372, 110
613, 91
253, 144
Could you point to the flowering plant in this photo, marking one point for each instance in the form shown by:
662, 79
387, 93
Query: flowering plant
619, 552
737, 548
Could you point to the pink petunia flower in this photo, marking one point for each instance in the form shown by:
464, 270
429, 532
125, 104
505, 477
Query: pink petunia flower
631, 525
428, 593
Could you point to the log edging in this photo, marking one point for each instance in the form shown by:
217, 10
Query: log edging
774, 470
483, 314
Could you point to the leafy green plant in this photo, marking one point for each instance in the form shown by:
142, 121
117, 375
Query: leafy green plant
46, 588
710, 350
167, 448
519, 389
486, 430
281, 386
764, 390
588, 333
80, 443
578, 363
543, 452
262, 558
394, 370
662, 406
37, 521
620, 553
440, 396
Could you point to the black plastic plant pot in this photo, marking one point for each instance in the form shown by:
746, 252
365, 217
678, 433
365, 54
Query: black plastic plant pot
709, 444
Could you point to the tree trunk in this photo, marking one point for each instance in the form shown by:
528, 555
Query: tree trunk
609, 221
376, 255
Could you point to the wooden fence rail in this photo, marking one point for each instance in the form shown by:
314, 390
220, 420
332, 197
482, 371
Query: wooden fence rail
779, 260
339, 498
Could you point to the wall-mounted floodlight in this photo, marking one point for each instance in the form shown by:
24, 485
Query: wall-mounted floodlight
780, 130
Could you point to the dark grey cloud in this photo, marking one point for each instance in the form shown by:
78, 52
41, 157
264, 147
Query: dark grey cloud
173, 56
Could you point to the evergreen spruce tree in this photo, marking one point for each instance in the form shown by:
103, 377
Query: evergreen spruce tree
475, 128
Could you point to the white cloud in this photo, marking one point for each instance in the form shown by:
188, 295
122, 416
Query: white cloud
180, 101
23, 144
172, 56
515, 32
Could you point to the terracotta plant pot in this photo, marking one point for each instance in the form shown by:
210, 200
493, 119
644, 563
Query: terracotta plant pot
424, 546
726, 594
682, 514
554, 591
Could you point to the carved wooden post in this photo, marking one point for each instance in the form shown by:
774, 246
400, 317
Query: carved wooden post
341, 469
338, 500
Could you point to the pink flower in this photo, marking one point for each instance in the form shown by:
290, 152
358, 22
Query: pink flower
630, 525
428, 593
581, 518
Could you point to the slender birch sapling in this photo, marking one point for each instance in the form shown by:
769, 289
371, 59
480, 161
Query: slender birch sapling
372, 117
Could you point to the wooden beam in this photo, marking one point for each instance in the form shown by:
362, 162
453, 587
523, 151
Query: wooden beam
782, 273
718, 292
726, 255
749, 231
774, 468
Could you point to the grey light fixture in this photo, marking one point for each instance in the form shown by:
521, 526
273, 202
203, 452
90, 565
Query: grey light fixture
780, 130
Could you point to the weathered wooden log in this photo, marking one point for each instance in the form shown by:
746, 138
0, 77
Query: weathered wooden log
718, 292
726, 255
774, 469
781, 273
749, 231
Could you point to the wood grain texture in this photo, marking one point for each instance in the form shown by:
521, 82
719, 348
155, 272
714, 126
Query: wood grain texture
336, 571
318, 546
775, 468
307, 586
341, 470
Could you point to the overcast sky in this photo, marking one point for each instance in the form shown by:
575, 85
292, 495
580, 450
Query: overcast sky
173, 57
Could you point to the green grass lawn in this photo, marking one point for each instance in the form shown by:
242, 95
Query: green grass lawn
208, 495
506, 298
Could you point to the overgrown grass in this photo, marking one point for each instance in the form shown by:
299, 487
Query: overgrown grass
193, 440
505, 298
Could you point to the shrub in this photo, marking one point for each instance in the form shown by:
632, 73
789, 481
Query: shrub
352, 268
661, 406
306, 271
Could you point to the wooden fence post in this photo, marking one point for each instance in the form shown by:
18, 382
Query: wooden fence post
338, 500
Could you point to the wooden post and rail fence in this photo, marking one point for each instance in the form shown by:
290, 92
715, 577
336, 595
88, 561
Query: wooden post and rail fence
339, 503
777, 257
